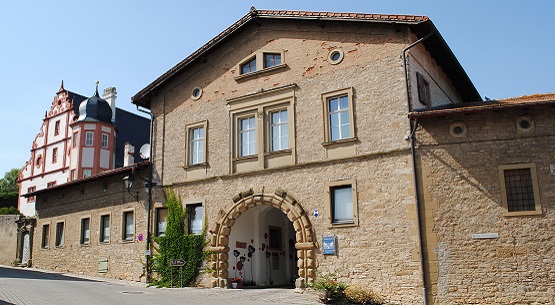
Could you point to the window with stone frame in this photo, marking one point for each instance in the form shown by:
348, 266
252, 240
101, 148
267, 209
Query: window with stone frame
45, 236
194, 215
161, 218
128, 226
105, 228
342, 203
196, 144
519, 189
260, 62
262, 129
85, 231
339, 123
59, 234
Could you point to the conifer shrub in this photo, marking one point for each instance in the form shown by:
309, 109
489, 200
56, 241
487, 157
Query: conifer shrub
177, 244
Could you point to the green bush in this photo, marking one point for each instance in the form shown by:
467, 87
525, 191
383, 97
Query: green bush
176, 244
9, 211
359, 294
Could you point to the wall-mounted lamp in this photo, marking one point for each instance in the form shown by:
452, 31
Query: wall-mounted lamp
128, 184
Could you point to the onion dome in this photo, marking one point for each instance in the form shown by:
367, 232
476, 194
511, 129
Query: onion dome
95, 108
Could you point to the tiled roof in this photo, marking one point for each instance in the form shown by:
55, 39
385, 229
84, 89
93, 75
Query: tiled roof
253, 14
491, 105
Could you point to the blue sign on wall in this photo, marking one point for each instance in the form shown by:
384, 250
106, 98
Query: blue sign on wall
328, 245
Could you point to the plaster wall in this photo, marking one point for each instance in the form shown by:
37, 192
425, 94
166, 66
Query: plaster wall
8, 239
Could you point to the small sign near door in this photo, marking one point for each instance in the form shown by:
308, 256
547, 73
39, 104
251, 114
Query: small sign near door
328, 245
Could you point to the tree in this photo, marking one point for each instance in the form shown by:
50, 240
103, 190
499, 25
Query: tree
176, 244
9, 190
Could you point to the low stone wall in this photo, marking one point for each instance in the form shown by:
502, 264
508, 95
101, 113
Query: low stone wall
8, 239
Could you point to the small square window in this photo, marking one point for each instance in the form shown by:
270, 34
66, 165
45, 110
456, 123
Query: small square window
105, 228
89, 135
128, 226
342, 203
59, 234
51, 184
85, 231
45, 236
272, 59
195, 218
161, 217
519, 189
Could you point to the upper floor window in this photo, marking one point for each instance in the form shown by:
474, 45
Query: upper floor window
261, 61
51, 184
31, 190
247, 136
87, 173
55, 155
104, 140
519, 189
75, 139
423, 90
279, 130
57, 128
196, 143
89, 135
195, 218
73, 175
338, 115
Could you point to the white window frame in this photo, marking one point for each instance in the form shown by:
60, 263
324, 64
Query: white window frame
326, 97
105, 140
189, 144
279, 126
127, 235
89, 138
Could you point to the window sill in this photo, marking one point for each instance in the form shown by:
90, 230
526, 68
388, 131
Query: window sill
84, 245
246, 158
522, 213
342, 225
278, 152
259, 72
339, 142
127, 241
195, 166
104, 242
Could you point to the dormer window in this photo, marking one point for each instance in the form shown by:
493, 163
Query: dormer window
261, 62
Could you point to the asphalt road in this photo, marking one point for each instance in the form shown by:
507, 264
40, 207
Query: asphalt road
30, 286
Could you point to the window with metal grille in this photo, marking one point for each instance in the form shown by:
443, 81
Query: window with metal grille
520, 190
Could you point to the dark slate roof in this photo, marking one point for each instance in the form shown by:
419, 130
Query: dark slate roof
95, 108
420, 25
77, 99
130, 128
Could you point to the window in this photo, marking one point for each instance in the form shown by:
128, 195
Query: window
338, 115
161, 216
279, 130
72, 174
31, 190
104, 140
249, 66
45, 236
272, 59
87, 173
262, 61
335, 56
75, 139
105, 228
342, 206
55, 155
423, 90
247, 136
85, 231
89, 135
196, 143
519, 189
59, 234
51, 184
262, 136
274, 242
128, 226
57, 128
195, 218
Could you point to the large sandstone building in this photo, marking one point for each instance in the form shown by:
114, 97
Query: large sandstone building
311, 143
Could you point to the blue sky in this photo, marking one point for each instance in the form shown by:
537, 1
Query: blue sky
504, 46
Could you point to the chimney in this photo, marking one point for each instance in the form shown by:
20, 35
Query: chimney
128, 154
110, 95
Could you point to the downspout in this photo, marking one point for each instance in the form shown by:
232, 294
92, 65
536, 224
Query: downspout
149, 200
414, 173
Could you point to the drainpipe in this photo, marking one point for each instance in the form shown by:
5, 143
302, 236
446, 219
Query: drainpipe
414, 173
149, 200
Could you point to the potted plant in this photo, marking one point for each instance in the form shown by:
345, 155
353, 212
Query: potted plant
329, 287
237, 282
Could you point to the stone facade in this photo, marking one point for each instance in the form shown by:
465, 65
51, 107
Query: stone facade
476, 253
90, 199
381, 247
8, 238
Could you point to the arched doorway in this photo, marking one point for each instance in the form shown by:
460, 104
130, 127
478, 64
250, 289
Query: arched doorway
301, 226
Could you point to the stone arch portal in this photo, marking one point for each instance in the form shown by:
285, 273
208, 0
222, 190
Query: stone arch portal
219, 244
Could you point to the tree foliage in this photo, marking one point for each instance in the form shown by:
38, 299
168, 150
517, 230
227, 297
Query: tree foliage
9, 190
176, 244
